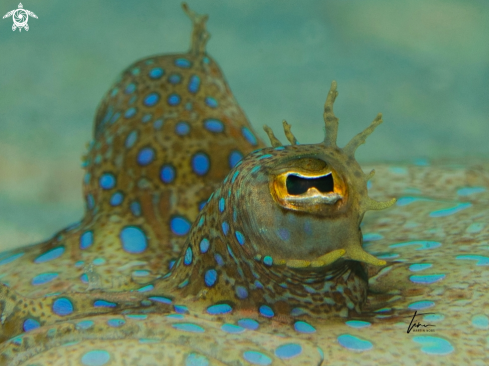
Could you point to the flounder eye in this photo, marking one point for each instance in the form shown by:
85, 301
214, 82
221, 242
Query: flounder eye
297, 185
308, 184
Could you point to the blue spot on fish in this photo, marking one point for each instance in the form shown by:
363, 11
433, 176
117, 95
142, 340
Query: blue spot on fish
95, 358
434, 345
266, 311
250, 324
481, 260
131, 112
180, 225
219, 309
451, 210
188, 257
104, 304
167, 173
303, 327
30, 324
288, 351
257, 358
231, 328
43, 278
211, 102
213, 125
107, 181
182, 128
427, 279
151, 99
62, 306
116, 199
210, 277
354, 343
173, 99
421, 305
424, 244
133, 239
234, 158
156, 73
145, 156
248, 135
200, 163
183, 62
240, 238
204, 245
193, 84
50, 255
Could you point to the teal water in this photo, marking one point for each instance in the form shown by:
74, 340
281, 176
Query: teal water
424, 64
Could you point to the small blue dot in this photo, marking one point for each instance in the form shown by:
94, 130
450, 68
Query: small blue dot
268, 260
219, 259
43, 278
133, 239
193, 84
240, 237
179, 225
210, 277
107, 181
231, 328
222, 203
182, 128
146, 118
130, 88
288, 351
163, 300
219, 309
86, 239
50, 255
200, 163
135, 208
194, 359
241, 292
156, 73
151, 99
211, 102
95, 358
257, 358
213, 125
146, 156
267, 311
354, 343
234, 158
248, 135
115, 117
225, 227
188, 327
116, 323
235, 175
130, 112
116, 199
131, 139
204, 245
174, 99
188, 257
62, 306
30, 324
167, 173
303, 327
157, 124
84, 324
250, 324
174, 78
104, 304
183, 62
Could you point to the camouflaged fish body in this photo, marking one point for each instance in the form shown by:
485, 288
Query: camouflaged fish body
278, 239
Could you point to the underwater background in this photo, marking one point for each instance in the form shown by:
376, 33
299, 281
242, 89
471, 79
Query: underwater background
423, 64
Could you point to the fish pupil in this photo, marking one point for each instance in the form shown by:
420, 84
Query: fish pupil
298, 185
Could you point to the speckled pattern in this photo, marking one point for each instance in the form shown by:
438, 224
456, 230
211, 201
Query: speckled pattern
136, 283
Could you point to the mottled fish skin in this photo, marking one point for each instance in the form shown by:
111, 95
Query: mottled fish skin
277, 241
165, 135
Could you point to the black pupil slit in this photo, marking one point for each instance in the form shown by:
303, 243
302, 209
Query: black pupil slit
298, 185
